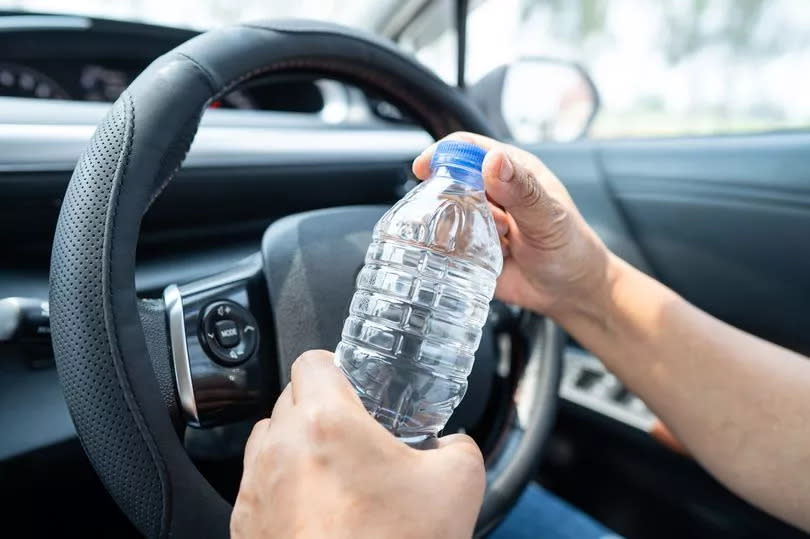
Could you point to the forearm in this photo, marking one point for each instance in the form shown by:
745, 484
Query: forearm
740, 404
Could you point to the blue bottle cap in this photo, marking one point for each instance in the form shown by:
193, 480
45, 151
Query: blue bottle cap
456, 152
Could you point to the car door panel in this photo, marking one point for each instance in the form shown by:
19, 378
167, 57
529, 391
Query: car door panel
725, 222
577, 165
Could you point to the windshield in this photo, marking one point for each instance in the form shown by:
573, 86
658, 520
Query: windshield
675, 67
663, 68
371, 15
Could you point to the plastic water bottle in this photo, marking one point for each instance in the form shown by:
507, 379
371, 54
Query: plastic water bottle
422, 298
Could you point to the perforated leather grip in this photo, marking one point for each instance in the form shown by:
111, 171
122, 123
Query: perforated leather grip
99, 344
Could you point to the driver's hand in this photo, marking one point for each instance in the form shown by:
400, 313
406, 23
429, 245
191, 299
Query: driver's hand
321, 466
553, 260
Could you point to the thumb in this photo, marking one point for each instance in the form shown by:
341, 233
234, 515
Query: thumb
516, 187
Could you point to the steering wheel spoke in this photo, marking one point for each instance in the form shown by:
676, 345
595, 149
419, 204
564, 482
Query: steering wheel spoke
221, 346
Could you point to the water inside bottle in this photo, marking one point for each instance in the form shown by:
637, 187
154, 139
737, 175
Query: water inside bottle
422, 298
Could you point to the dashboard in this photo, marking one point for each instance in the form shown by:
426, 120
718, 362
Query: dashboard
87, 81
82, 59
104, 80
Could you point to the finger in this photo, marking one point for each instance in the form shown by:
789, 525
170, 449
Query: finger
284, 402
508, 287
500, 218
517, 188
316, 378
258, 433
505, 252
421, 165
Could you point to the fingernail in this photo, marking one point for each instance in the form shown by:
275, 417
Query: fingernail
503, 228
505, 251
506, 172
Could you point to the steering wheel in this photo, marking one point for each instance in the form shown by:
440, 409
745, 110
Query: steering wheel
137, 373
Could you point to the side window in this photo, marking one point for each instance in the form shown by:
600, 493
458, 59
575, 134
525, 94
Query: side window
665, 68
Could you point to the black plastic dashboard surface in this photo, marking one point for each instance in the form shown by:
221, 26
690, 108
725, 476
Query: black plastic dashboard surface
87, 59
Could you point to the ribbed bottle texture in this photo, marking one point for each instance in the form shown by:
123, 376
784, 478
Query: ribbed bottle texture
422, 298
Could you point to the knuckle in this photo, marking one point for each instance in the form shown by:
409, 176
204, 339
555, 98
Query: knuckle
458, 135
324, 423
554, 233
310, 356
260, 427
314, 357
296, 366
247, 498
256, 438
532, 193
305, 361
558, 213
274, 449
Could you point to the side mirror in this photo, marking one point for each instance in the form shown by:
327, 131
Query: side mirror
538, 99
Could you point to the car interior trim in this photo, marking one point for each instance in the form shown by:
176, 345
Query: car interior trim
21, 146
243, 270
177, 337
603, 393
17, 23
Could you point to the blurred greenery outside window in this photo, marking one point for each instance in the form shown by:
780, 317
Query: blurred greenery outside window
662, 68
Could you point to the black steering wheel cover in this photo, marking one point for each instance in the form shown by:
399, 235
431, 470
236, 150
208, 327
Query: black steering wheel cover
520, 462
101, 353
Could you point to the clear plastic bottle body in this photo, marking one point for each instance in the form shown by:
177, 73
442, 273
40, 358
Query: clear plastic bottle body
422, 298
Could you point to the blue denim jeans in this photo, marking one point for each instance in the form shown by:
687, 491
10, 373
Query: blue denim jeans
540, 514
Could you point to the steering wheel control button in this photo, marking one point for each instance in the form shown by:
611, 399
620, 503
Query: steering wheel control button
228, 333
